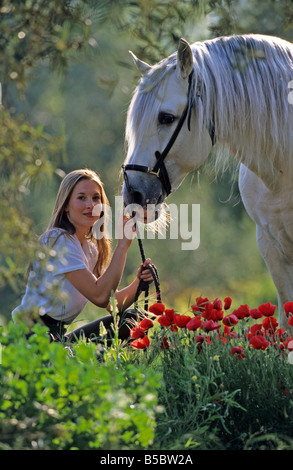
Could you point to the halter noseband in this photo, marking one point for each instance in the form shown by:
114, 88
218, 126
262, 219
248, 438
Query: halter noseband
159, 170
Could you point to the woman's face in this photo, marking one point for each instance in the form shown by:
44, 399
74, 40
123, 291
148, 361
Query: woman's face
85, 196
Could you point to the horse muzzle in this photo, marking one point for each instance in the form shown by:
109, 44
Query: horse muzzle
144, 196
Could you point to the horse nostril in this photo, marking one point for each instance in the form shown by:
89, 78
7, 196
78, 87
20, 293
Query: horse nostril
137, 198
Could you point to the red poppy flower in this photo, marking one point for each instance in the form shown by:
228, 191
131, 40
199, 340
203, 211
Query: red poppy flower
210, 325
227, 303
290, 321
255, 313
199, 338
259, 342
217, 304
141, 343
207, 312
165, 344
157, 308
242, 312
227, 330
267, 309
288, 307
200, 304
210, 313
181, 320
137, 332
194, 323
168, 319
216, 314
282, 334
146, 324
163, 320
270, 324
238, 350
255, 330
230, 320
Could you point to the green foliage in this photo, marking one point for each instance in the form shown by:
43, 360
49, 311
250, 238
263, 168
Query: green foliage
253, 16
264, 380
28, 156
43, 29
156, 26
57, 397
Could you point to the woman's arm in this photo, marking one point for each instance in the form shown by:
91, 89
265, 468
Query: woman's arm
125, 297
98, 290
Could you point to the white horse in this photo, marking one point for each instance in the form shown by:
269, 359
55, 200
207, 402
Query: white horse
234, 93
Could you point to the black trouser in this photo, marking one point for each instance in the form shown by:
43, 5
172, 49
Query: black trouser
57, 328
91, 331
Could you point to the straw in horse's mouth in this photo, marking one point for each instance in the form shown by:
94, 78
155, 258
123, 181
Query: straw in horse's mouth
154, 220
144, 214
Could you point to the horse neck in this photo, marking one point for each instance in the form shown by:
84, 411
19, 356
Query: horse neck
243, 84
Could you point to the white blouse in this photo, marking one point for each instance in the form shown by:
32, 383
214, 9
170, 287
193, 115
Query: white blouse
48, 289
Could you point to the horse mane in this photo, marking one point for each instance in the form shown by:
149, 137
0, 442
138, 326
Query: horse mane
240, 83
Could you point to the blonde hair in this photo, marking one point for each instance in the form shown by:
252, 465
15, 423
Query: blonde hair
60, 220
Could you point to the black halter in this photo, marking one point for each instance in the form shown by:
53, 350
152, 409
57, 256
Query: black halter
159, 170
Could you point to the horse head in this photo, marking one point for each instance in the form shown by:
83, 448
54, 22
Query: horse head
164, 139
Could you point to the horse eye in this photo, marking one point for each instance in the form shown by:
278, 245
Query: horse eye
166, 118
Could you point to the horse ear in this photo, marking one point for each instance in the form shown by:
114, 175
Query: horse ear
184, 59
142, 67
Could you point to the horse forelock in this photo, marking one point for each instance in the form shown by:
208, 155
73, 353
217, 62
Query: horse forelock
146, 101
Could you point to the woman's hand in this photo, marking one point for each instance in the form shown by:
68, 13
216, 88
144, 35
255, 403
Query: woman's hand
126, 231
143, 273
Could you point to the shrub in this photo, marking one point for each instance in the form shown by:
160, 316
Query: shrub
54, 397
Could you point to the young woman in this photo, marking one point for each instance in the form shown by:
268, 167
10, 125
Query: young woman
77, 267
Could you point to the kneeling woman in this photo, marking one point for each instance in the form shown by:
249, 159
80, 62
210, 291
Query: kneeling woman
78, 265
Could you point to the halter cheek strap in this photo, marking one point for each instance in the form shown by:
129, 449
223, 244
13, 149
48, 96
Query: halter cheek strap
159, 170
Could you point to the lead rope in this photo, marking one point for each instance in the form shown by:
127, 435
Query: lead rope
143, 286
